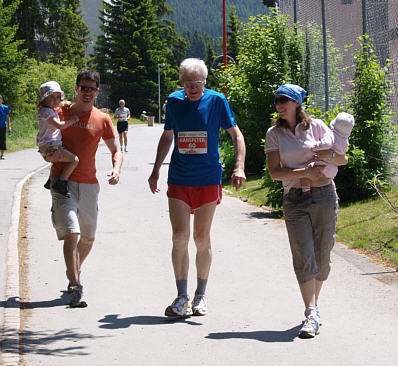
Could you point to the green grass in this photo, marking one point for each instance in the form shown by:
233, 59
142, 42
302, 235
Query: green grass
370, 225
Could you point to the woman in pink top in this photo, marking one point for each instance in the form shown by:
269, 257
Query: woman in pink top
311, 224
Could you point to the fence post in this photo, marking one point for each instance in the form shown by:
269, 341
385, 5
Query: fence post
364, 18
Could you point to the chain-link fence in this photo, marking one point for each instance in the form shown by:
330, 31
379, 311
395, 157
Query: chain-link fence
345, 21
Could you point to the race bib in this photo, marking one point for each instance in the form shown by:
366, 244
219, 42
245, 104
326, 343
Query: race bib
192, 142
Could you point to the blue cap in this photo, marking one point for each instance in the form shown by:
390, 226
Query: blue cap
292, 91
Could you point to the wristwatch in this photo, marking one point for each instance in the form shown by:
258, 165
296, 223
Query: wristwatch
333, 154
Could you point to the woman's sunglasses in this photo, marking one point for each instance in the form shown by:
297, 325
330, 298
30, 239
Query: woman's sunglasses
281, 99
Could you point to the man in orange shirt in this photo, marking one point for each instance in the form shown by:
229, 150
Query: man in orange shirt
75, 218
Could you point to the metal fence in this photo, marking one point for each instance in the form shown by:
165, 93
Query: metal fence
340, 23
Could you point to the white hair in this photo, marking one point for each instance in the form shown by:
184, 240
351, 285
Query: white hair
191, 66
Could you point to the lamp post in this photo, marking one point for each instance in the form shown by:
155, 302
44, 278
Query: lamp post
159, 107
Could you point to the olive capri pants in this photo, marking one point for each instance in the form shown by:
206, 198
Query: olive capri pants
311, 227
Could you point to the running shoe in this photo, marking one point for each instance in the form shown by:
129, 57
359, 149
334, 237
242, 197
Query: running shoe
2, 157
126, 149
77, 300
318, 314
181, 306
47, 185
199, 305
310, 328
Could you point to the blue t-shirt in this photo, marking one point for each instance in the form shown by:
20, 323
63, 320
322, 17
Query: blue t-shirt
195, 161
4, 111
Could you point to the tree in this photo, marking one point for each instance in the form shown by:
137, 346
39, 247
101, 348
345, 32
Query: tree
52, 29
66, 32
11, 57
269, 54
232, 33
133, 44
373, 138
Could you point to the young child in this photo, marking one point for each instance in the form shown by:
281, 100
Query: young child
49, 138
341, 127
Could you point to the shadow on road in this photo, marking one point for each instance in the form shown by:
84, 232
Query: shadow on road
264, 215
41, 342
13, 302
113, 321
263, 336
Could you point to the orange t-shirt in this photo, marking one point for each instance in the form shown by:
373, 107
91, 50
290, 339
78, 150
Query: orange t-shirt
82, 139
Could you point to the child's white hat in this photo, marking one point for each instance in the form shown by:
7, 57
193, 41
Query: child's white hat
343, 124
48, 88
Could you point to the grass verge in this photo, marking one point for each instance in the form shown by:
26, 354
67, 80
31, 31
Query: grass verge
370, 225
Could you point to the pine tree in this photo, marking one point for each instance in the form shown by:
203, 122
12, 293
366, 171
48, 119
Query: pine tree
232, 33
66, 32
52, 29
133, 44
11, 56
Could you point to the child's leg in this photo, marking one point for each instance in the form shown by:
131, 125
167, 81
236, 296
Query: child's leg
64, 156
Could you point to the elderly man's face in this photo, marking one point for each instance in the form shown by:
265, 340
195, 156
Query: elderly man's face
194, 85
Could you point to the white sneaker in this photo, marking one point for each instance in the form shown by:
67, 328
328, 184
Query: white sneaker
77, 300
121, 148
126, 149
2, 157
310, 328
181, 306
199, 305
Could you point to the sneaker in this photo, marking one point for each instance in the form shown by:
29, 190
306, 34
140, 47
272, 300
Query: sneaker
47, 185
77, 300
2, 157
318, 314
199, 305
310, 328
121, 148
181, 306
61, 187
126, 149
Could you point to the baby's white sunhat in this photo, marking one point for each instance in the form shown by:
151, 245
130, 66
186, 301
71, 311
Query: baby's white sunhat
48, 88
343, 124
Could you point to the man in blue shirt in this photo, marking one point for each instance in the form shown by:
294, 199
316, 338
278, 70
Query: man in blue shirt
4, 123
194, 117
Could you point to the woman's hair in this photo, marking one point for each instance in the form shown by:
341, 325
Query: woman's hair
301, 116
192, 66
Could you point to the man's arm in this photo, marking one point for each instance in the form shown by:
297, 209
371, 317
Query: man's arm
238, 176
8, 122
117, 160
163, 148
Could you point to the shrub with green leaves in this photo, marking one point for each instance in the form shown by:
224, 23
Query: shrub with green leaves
372, 139
270, 54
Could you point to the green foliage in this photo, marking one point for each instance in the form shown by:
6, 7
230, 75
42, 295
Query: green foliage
134, 41
314, 74
372, 139
232, 33
52, 30
66, 33
206, 16
11, 57
274, 197
38, 73
269, 55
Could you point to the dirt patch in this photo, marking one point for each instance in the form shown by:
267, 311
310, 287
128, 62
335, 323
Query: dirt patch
23, 253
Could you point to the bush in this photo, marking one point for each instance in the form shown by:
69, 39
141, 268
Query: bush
372, 139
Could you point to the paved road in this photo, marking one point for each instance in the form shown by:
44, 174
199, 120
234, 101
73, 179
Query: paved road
254, 303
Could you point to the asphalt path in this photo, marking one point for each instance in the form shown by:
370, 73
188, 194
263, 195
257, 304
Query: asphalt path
255, 309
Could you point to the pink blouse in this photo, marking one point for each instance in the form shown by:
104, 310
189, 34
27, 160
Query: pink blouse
295, 149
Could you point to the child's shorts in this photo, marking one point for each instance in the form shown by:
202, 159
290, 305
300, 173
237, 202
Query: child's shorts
195, 197
48, 147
